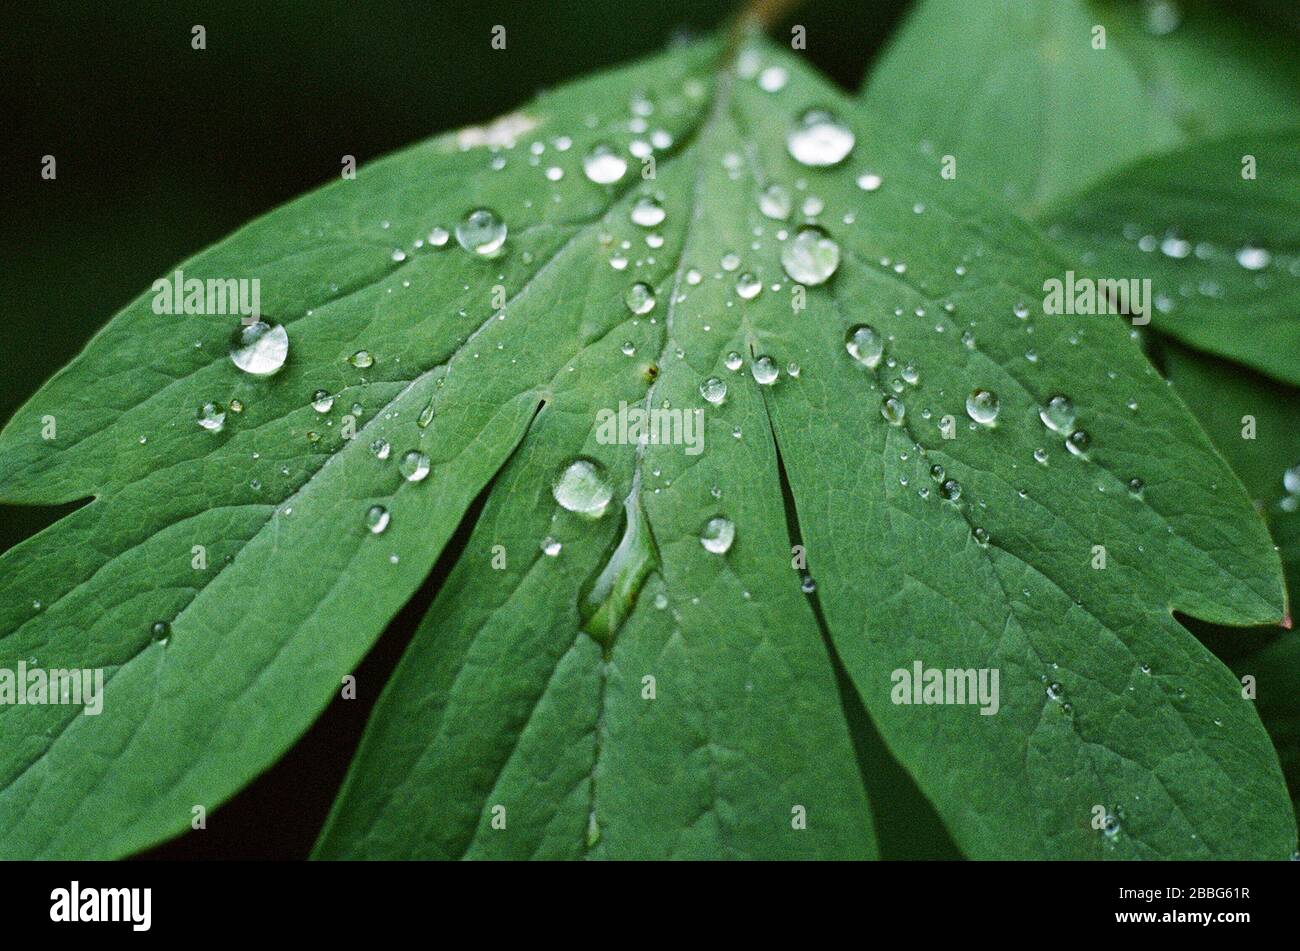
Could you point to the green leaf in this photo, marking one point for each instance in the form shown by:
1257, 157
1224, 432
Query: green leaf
526, 687
1020, 94
1222, 251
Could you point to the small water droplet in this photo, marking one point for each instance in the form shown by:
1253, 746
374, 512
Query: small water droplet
380, 448
865, 345
775, 202
982, 406
765, 370
1058, 414
603, 165
748, 286
1253, 258
550, 547
161, 632
951, 490
640, 298
481, 232
376, 519
362, 360
212, 417
819, 139
773, 79
714, 390
1078, 441
414, 466
733, 361
717, 535
893, 410
647, 212
322, 402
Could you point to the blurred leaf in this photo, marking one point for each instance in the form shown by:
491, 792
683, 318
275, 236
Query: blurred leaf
1016, 91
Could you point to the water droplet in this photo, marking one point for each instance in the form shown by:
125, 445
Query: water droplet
376, 519
870, 181
765, 370
212, 417
1040, 456
1253, 258
647, 212
362, 360
260, 348
775, 203
426, 416
936, 472
481, 232
640, 298
951, 490
893, 410
583, 488
1135, 486
714, 390
1291, 480
819, 139
981, 537
748, 286
235, 407
550, 547
865, 345
161, 631
717, 535
1077, 442
811, 257
1058, 414
982, 406
414, 466
733, 361
603, 165
773, 79
380, 448
322, 402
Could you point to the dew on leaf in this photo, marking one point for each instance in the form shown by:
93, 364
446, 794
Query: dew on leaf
582, 487
603, 165
212, 417
713, 390
481, 232
819, 139
376, 519
765, 370
811, 257
640, 298
260, 348
362, 360
1058, 414
717, 535
865, 345
982, 406
414, 466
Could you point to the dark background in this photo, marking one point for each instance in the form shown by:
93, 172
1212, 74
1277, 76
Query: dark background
162, 150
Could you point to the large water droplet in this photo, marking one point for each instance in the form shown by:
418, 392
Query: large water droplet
603, 165
1058, 414
481, 232
982, 406
865, 345
582, 487
819, 139
640, 298
717, 535
321, 401
1078, 441
414, 465
811, 257
260, 348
